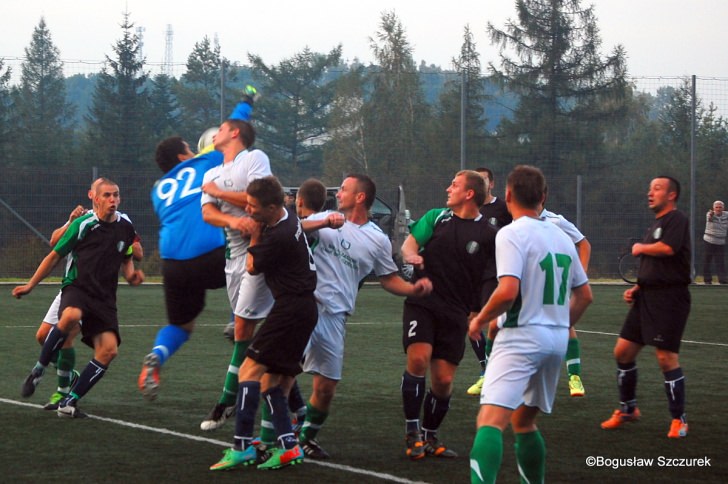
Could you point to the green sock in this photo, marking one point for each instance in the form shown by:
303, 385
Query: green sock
64, 368
486, 455
267, 432
573, 357
315, 418
230, 390
531, 457
488, 349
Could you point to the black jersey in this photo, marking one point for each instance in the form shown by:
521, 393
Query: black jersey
95, 251
283, 256
459, 257
496, 213
672, 229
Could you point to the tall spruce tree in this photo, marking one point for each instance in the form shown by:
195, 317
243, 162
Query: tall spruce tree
117, 129
198, 92
164, 117
41, 110
448, 117
292, 115
396, 113
567, 88
345, 151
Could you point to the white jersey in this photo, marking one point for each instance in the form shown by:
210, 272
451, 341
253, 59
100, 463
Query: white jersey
569, 228
545, 261
234, 176
344, 257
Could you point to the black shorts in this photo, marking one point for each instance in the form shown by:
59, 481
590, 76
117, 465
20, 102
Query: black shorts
98, 315
185, 283
658, 317
281, 340
444, 330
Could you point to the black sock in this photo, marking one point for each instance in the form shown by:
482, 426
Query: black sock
627, 383
247, 405
278, 406
90, 376
51, 345
478, 346
675, 390
413, 392
435, 411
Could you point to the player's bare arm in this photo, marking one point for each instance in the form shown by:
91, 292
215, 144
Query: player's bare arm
44, 269
583, 248
137, 251
500, 301
396, 285
410, 252
257, 228
581, 298
58, 233
133, 276
628, 295
333, 220
214, 216
656, 249
239, 199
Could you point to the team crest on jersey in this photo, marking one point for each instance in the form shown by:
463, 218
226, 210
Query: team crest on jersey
493, 221
228, 183
120, 246
472, 247
657, 233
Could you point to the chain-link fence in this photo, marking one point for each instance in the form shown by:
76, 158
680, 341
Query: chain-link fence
608, 204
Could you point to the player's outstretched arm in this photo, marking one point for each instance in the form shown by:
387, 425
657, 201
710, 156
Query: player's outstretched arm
396, 285
334, 220
43, 270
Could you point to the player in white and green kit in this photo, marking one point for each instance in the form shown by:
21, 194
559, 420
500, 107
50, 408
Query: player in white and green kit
345, 253
543, 290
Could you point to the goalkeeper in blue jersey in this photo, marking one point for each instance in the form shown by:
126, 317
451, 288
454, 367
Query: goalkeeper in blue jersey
192, 251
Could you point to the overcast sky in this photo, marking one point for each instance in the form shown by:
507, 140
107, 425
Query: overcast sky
661, 37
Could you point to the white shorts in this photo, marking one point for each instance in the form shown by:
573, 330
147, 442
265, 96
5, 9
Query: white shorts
324, 354
51, 316
250, 297
524, 367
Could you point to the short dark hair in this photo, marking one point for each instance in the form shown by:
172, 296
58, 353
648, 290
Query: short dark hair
366, 185
527, 185
482, 169
247, 131
474, 181
267, 190
313, 194
167, 151
673, 185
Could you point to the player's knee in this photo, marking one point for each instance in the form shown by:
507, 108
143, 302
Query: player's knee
667, 360
42, 334
442, 386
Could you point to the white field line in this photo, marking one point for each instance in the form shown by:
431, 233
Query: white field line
371, 323
123, 423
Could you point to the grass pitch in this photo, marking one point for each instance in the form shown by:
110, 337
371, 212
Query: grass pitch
131, 440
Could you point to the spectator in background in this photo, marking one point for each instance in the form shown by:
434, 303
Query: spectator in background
716, 226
